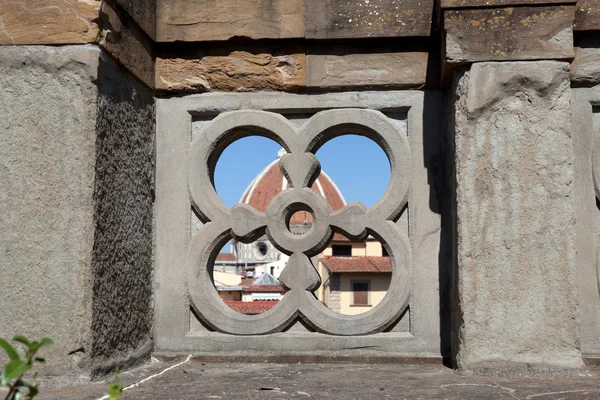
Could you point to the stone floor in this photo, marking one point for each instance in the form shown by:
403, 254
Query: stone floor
200, 379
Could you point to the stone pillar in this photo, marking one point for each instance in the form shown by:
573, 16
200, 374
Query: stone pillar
515, 220
76, 189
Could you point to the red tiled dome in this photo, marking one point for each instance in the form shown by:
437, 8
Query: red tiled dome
271, 181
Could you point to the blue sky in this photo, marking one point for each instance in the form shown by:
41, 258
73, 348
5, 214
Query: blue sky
356, 164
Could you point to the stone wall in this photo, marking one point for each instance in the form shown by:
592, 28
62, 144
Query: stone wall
48, 109
123, 198
516, 219
77, 187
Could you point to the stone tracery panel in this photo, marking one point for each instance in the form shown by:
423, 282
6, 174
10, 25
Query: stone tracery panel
191, 316
301, 168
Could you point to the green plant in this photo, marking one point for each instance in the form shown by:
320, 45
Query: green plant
115, 388
12, 373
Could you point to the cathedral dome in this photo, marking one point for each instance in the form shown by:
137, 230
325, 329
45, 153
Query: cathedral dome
271, 182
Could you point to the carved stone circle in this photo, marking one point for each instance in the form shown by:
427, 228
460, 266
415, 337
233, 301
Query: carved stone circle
246, 224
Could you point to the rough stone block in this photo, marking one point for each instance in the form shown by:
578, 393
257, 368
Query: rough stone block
241, 71
143, 13
122, 263
587, 15
76, 177
515, 213
510, 33
329, 19
406, 69
126, 42
586, 143
49, 21
48, 121
498, 3
197, 20
585, 68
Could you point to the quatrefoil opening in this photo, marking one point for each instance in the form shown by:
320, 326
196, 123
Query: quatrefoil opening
301, 168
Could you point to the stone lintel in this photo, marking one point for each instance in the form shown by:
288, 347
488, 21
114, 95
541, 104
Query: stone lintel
399, 69
191, 21
499, 3
515, 220
52, 22
122, 38
255, 68
335, 19
509, 33
232, 71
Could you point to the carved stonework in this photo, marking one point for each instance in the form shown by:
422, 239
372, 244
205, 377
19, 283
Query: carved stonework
244, 223
191, 316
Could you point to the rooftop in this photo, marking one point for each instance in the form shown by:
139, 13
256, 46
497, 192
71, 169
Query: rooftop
251, 307
228, 257
357, 264
224, 377
271, 182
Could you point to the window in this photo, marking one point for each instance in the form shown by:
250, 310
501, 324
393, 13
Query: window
338, 250
360, 290
261, 250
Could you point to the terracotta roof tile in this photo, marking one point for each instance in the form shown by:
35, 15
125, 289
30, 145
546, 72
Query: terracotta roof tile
357, 264
251, 307
226, 257
263, 288
247, 281
338, 237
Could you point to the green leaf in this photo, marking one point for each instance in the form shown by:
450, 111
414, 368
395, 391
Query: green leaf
14, 369
12, 353
33, 391
114, 391
22, 340
35, 346
18, 395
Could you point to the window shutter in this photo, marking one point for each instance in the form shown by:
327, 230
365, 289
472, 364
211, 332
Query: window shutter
361, 293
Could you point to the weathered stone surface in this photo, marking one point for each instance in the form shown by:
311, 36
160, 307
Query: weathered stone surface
235, 71
329, 377
143, 13
76, 166
48, 120
48, 21
586, 144
126, 42
190, 21
511, 33
515, 213
585, 68
124, 197
328, 19
587, 15
366, 70
498, 3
